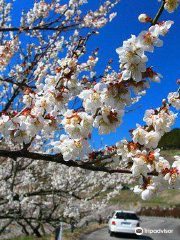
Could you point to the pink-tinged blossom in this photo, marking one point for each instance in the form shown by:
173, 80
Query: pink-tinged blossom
77, 124
150, 38
176, 163
108, 120
164, 27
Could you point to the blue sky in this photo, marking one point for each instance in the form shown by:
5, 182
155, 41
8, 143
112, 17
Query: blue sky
166, 60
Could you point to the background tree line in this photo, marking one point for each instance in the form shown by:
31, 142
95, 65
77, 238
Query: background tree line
170, 140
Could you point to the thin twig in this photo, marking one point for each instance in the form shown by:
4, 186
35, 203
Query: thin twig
155, 20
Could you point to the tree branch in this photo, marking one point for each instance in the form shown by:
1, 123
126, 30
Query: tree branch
58, 158
18, 29
159, 13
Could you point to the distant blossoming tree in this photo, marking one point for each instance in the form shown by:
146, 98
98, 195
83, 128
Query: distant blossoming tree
52, 100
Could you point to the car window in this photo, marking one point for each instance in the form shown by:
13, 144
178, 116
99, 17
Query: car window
124, 215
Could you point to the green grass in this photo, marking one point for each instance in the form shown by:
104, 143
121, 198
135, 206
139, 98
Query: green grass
170, 153
166, 198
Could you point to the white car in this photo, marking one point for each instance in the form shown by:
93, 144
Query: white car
123, 222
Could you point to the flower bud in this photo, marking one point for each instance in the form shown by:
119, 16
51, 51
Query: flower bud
164, 101
144, 18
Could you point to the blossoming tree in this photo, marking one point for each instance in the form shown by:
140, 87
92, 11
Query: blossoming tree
34, 199
52, 99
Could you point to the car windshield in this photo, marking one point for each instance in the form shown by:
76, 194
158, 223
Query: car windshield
124, 215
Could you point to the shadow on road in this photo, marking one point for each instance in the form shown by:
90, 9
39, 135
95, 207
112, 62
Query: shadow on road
130, 236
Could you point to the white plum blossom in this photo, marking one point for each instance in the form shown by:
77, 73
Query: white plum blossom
91, 100
149, 39
77, 124
18, 130
152, 139
132, 59
139, 135
148, 193
112, 16
116, 96
108, 120
176, 163
161, 121
162, 164
126, 150
7, 51
164, 27
71, 149
131, 51
171, 5
174, 99
134, 71
5, 124
40, 9
139, 167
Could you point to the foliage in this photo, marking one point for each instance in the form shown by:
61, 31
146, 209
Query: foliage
170, 140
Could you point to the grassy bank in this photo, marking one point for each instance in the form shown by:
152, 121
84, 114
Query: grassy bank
166, 198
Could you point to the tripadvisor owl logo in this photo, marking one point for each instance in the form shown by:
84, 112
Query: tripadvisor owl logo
139, 231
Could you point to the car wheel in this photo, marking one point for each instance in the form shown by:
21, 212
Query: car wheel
111, 233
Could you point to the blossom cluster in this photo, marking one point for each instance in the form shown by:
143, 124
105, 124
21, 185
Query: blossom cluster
132, 53
46, 109
144, 156
69, 12
25, 126
169, 176
174, 99
7, 51
40, 10
171, 5
72, 149
108, 98
98, 19
158, 122
77, 124
6, 17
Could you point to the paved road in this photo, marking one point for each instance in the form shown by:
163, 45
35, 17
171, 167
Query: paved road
146, 223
